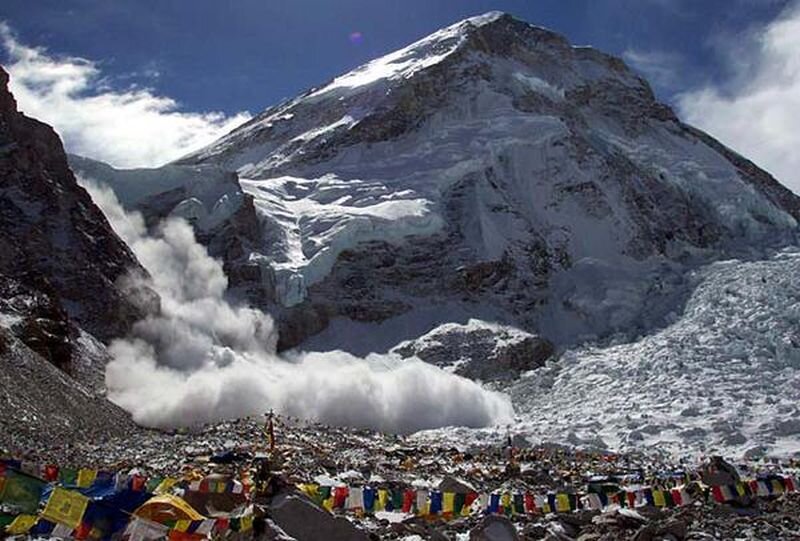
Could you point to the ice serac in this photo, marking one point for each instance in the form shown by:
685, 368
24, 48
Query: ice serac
491, 163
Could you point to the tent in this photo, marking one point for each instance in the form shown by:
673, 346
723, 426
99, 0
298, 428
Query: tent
166, 508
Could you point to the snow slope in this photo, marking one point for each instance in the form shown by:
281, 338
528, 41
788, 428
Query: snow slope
723, 377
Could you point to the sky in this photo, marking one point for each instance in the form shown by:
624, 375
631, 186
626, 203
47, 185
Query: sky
179, 73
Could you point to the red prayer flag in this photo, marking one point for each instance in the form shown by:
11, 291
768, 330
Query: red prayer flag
137, 483
631, 499
339, 497
789, 484
530, 503
471, 497
408, 500
83, 530
222, 524
676, 497
51, 473
717, 493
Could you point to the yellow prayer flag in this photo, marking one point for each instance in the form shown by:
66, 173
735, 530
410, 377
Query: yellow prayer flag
740, 488
165, 486
328, 504
65, 507
505, 501
448, 502
777, 486
310, 490
86, 477
659, 499
21, 524
246, 523
562, 503
383, 499
183, 525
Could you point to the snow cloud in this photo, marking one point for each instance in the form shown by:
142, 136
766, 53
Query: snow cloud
757, 110
203, 359
133, 127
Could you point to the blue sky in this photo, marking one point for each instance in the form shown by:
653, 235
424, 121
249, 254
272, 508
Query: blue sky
142, 82
248, 54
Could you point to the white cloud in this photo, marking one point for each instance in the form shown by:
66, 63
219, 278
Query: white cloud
127, 128
757, 112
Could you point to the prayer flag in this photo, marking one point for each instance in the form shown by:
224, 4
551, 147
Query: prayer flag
469, 499
448, 503
339, 497
658, 498
383, 500
408, 500
562, 503
86, 477
494, 503
68, 476
459, 503
530, 503
435, 503
50, 473
65, 507
355, 498
21, 491
519, 504
505, 503
165, 485
369, 499
22, 524
422, 502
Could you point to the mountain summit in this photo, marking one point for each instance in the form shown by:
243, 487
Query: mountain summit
490, 170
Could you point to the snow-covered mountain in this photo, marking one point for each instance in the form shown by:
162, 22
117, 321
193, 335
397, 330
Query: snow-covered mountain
492, 164
490, 168
490, 195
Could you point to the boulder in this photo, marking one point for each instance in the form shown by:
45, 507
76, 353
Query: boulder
494, 528
302, 519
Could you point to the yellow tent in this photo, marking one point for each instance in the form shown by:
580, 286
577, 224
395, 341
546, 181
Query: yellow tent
165, 508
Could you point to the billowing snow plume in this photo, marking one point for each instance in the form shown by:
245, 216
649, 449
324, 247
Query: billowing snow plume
203, 359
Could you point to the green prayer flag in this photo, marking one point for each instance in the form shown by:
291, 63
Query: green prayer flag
152, 483
519, 504
22, 491
458, 503
397, 500
68, 477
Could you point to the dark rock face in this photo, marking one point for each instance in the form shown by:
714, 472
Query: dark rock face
481, 352
51, 232
304, 521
